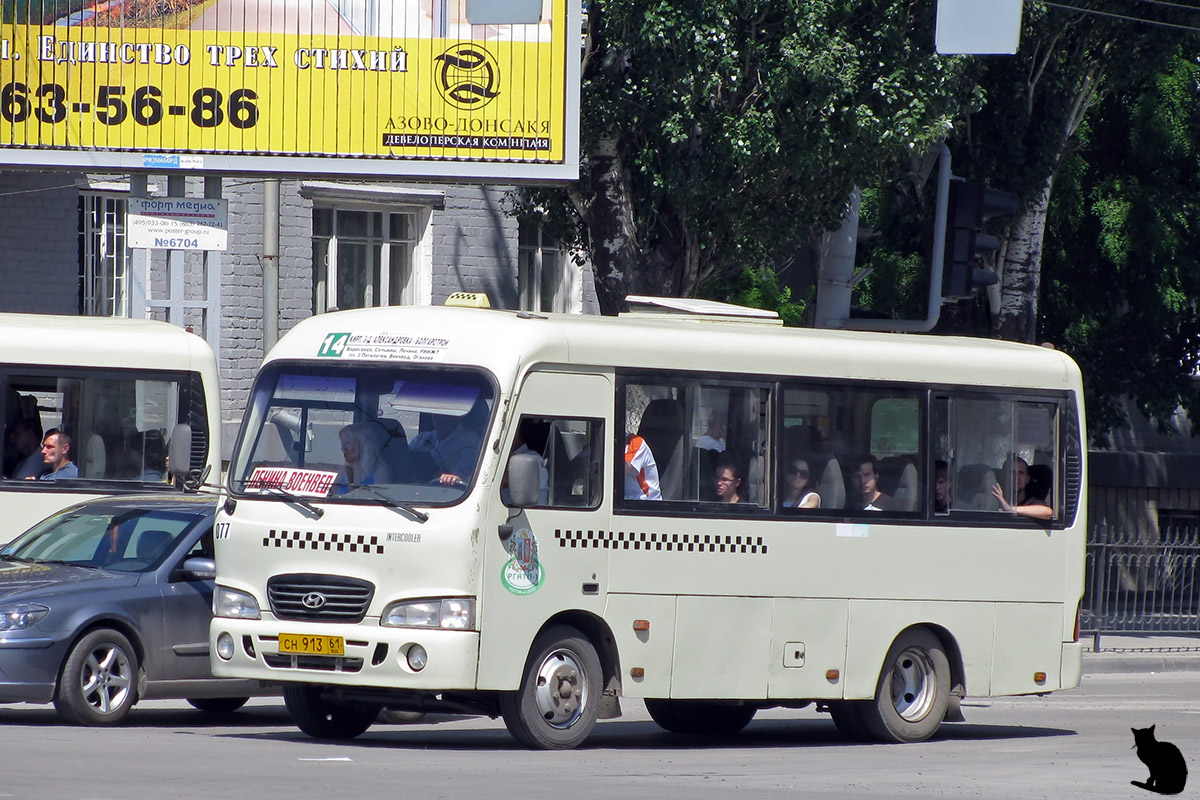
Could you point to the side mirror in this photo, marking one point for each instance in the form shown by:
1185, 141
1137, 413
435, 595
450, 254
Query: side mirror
179, 451
524, 479
198, 569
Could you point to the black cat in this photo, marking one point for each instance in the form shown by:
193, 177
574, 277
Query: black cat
1168, 770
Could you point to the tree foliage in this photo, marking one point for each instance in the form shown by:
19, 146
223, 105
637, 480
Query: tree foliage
1121, 263
721, 135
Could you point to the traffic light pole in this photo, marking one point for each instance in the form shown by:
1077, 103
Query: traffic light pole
841, 319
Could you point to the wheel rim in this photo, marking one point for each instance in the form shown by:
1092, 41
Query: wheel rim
106, 679
561, 689
912, 685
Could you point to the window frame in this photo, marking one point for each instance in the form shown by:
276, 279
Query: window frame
325, 286
1064, 500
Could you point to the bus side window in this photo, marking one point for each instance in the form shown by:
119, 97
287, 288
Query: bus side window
570, 450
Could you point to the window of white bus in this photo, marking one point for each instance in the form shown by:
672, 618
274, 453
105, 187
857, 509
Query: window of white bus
364, 432
867, 449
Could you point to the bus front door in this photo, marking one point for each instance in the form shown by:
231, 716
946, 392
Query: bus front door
550, 558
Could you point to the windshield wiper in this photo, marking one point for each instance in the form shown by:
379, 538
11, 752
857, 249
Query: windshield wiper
287, 496
83, 564
384, 500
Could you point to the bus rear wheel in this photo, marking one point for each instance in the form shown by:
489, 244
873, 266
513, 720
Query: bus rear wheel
702, 717
557, 704
848, 717
913, 692
323, 719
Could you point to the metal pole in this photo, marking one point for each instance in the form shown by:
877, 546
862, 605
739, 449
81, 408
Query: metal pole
935, 268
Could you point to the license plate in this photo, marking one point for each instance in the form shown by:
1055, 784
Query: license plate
312, 644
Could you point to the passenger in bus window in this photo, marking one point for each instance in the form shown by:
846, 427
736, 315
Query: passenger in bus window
24, 435
1027, 505
941, 487
154, 456
362, 443
797, 490
641, 471
730, 486
454, 443
56, 453
866, 478
714, 435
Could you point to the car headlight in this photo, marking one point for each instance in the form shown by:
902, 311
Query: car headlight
232, 603
18, 618
450, 613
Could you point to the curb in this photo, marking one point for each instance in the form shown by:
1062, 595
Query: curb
1114, 662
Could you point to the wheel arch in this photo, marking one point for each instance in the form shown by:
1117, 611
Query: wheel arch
600, 635
121, 626
958, 672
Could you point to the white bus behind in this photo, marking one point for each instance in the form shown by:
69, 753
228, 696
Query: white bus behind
126, 392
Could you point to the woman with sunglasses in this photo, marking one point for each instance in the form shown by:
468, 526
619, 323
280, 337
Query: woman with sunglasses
796, 491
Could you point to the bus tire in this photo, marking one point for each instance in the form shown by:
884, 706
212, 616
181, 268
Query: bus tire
557, 704
848, 717
913, 692
700, 717
217, 705
322, 719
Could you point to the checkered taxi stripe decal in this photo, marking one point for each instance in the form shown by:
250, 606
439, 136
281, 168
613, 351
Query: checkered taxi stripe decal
328, 542
668, 542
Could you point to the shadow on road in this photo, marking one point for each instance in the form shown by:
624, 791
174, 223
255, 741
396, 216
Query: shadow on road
646, 735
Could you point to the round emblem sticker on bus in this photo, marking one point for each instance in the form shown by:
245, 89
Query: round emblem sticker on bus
522, 574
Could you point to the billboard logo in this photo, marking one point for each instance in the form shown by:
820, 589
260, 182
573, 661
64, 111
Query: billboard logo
469, 76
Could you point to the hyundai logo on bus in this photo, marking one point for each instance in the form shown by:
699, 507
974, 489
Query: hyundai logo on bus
313, 600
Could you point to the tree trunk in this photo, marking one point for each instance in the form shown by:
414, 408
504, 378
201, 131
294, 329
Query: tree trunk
1021, 272
608, 215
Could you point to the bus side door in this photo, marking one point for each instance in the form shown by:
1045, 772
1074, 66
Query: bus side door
551, 557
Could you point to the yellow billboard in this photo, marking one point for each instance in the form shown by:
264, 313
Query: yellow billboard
359, 87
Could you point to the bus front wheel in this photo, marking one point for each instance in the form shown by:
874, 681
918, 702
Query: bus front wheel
323, 719
913, 692
559, 699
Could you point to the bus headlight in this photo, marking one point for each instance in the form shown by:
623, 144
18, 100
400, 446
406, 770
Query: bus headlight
449, 613
232, 603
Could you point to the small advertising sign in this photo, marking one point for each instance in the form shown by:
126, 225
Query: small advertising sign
177, 223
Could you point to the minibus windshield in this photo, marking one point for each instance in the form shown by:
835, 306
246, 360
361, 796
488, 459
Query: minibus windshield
363, 433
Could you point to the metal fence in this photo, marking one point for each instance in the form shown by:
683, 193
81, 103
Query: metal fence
1138, 583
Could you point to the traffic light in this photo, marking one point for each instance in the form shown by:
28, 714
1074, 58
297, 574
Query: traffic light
971, 204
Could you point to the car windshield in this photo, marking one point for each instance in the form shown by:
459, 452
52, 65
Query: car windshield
123, 539
365, 433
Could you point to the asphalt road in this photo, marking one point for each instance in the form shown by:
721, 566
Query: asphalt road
1068, 745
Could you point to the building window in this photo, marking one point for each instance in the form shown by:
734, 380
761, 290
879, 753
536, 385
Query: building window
546, 278
363, 258
104, 260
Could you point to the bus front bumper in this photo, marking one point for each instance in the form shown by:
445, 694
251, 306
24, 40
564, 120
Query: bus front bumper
374, 655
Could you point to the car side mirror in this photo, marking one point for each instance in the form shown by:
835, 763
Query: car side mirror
198, 568
524, 479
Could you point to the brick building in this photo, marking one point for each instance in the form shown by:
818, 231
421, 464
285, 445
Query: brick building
342, 244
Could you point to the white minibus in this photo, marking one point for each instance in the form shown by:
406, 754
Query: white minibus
532, 516
113, 398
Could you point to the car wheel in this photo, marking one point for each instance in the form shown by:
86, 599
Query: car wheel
98, 682
323, 719
218, 705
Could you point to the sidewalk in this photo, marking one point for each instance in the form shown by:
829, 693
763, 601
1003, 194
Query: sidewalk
1126, 652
